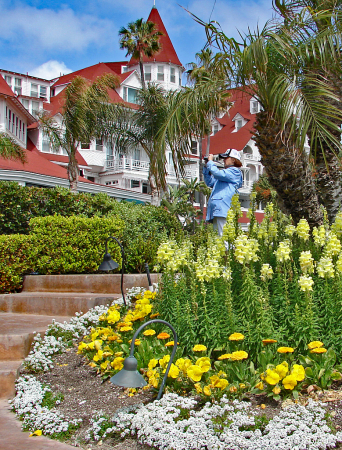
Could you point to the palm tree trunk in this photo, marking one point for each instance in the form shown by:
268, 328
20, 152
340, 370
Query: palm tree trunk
155, 192
288, 170
73, 171
142, 73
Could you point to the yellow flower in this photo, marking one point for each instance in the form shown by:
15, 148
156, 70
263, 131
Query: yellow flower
117, 363
194, 372
92, 364
183, 364
149, 333
136, 342
242, 385
305, 283
171, 344
163, 362
118, 353
127, 328
98, 356
104, 365
315, 344
268, 341
298, 372
207, 390
199, 348
281, 370
266, 272
276, 390
238, 356
198, 388
232, 389
113, 316
152, 364
225, 356
173, 372
163, 335
260, 386
303, 229
289, 382
221, 384
236, 337
98, 344
153, 316
285, 350
272, 377
36, 433
81, 347
318, 350
204, 364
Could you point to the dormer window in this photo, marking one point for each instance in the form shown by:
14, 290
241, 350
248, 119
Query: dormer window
124, 69
215, 128
254, 106
147, 73
238, 124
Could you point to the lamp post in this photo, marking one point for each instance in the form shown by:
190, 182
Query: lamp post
108, 264
129, 375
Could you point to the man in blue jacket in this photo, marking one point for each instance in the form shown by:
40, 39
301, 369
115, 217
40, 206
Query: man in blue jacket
225, 183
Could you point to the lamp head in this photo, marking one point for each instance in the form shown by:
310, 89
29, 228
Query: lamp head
108, 264
129, 376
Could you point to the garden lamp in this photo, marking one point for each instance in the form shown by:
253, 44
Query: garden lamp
129, 375
108, 264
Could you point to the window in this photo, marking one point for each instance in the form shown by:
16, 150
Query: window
172, 75
52, 92
130, 95
160, 74
35, 108
180, 79
124, 69
135, 184
215, 128
85, 145
17, 86
20, 129
8, 80
42, 92
34, 90
46, 143
254, 106
147, 73
99, 145
145, 188
25, 103
91, 179
194, 147
136, 154
238, 124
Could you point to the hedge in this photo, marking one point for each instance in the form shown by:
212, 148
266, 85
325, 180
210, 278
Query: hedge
18, 254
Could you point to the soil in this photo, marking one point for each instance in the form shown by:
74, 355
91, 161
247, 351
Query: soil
85, 395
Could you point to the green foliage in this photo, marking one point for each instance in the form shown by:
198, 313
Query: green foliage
73, 244
17, 257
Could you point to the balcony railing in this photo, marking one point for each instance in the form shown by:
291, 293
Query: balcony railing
135, 165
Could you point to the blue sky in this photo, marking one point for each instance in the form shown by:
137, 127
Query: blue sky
46, 38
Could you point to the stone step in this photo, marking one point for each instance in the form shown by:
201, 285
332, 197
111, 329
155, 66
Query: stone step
9, 372
53, 303
99, 283
17, 332
12, 438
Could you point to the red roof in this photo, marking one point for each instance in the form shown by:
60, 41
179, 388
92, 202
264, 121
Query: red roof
63, 158
36, 163
227, 137
167, 53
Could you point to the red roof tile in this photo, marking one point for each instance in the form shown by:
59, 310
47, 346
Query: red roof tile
63, 158
167, 52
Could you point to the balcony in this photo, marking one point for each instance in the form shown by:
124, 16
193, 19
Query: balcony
143, 167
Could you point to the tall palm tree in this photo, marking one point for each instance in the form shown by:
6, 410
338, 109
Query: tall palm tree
325, 18
84, 117
9, 149
272, 64
140, 39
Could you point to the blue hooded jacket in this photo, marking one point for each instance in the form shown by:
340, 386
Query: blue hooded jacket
225, 183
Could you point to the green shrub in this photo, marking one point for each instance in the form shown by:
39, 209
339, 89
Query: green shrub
74, 244
17, 257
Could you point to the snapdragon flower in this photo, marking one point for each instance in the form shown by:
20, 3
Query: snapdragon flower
266, 272
283, 251
333, 246
325, 268
306, 262
303, 229
305, 283
245, 249
319, 235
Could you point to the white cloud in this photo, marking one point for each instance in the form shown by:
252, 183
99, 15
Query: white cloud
53, 30
50, 69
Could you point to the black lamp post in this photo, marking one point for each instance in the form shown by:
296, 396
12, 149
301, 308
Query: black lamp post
108, 264
129, 375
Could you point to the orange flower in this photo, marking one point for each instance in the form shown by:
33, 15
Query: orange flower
163, 335
268, 341
153, 316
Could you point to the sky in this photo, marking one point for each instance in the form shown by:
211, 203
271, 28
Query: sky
49, 38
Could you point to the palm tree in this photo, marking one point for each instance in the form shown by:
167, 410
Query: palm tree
84, 117
9, 149
140, 39
272, 64
325, 18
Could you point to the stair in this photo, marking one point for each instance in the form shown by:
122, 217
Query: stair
47, 297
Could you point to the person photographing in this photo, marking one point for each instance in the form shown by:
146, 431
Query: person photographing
224, 183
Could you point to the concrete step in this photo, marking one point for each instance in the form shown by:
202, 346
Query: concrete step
99, 283
17, 332
53, 303
12, 438
9, 372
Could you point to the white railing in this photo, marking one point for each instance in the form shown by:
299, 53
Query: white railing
118, 165
250, 156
